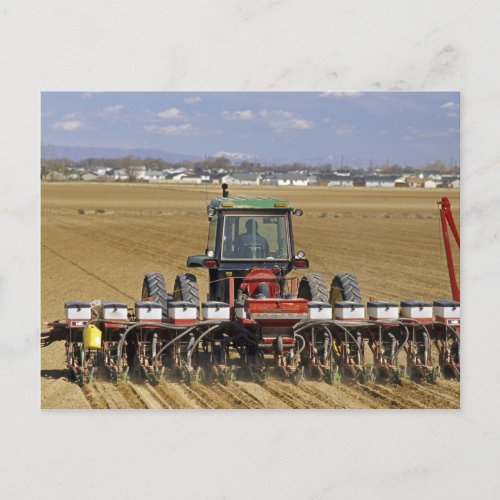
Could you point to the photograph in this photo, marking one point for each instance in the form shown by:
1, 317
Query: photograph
250, 250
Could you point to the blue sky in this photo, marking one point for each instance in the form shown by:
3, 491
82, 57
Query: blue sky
409, 128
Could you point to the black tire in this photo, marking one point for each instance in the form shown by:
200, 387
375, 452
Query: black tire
154, 287
186, 289
312, 287
345, 286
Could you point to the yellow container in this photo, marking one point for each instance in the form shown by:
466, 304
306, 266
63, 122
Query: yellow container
92, 337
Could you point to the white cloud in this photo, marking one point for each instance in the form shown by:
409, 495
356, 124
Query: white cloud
284, 120
185, 129
345, 130
427, 133
70, 116
238, 115
113, 109
68, 125
342, 93
452, 106
192, 100
87, 95
171, 114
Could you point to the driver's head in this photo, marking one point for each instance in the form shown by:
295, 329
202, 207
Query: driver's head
251, 226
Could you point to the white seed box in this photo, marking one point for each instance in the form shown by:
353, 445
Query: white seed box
349, 310
447, 309
114, 311
77, 310
148, 311
214, 310
319, 310
382, 310
415, 309
182, 311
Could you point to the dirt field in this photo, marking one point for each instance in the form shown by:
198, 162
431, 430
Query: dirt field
98, 240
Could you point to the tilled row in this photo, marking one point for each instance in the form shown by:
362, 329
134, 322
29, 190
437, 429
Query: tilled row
271, 394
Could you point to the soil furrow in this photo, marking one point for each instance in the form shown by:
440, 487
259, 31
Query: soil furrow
87, 271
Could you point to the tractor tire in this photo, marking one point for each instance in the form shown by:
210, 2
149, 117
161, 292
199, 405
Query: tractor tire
312, 287
345, 286
154, 287
186, 289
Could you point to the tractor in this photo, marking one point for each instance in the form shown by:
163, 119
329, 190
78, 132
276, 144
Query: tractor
249, 255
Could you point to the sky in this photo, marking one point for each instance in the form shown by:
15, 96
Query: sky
355, 128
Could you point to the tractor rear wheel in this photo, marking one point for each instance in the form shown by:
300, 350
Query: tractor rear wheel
154, 287
345, 286
312, 287
186, 289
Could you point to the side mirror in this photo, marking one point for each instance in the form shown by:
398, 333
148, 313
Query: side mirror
202, 261
196, 260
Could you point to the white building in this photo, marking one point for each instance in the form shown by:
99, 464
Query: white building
243, 179
341, 181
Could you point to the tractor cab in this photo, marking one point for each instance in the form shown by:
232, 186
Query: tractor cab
247, 234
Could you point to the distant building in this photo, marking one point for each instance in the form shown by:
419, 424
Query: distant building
54, 176
429, 183
89, 176
137, 172
243, 179
386, 181
340, 181
292, 179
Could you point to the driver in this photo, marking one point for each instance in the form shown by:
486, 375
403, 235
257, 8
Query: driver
251, 244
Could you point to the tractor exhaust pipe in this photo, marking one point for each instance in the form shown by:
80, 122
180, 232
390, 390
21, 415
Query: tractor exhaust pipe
225, 192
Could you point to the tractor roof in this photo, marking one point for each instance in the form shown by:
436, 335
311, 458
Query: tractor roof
250, 202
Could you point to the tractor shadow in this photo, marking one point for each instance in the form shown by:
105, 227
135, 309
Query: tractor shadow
55, 374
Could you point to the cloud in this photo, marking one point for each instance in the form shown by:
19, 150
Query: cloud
68, 125
238, 115
342, 94
185, 129
113, 109
427, 133
87, 95
171, 114
450, 106
284, 120
345, 130
192, 100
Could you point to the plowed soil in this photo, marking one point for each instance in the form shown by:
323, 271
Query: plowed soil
98, 240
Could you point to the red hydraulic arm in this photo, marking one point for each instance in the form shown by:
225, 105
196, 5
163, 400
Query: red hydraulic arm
447, 219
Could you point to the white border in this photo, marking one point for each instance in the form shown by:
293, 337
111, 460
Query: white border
238, 45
